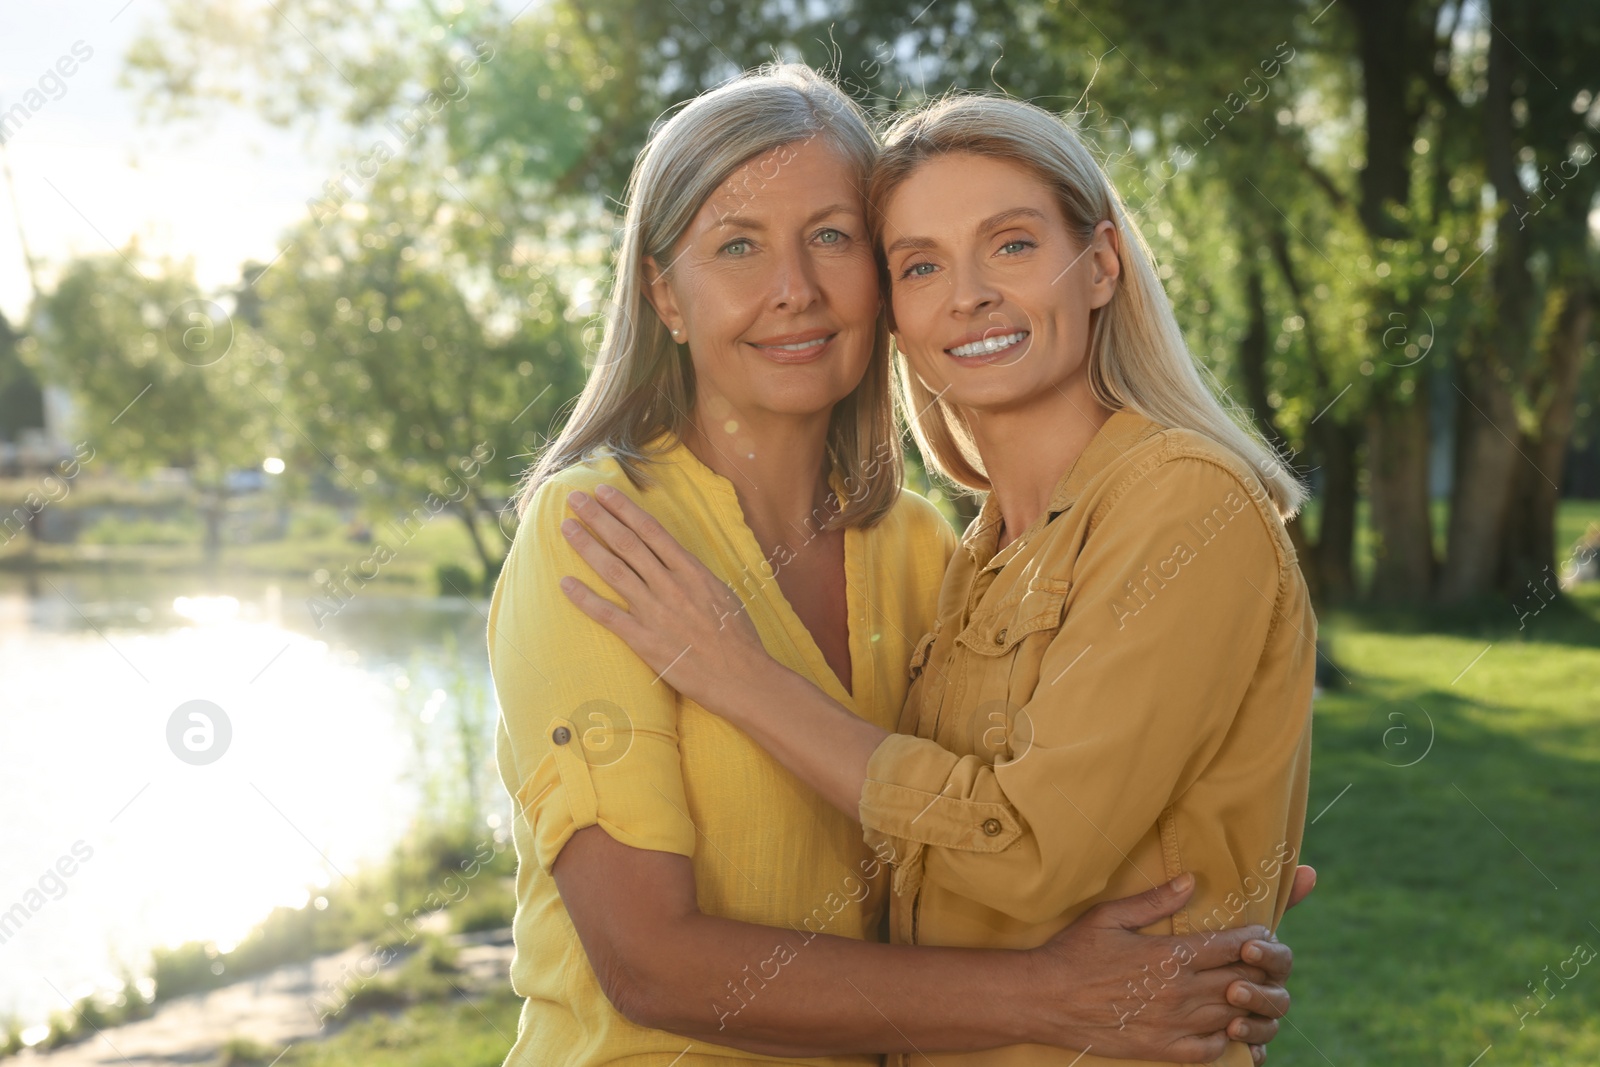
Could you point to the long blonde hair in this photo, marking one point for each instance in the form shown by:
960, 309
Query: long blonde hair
1137, 356
642, 384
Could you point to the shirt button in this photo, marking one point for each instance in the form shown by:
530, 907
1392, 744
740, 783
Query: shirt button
991, 827
1000, 638
561, 736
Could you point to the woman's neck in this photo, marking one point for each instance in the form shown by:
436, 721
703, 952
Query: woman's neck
1027, 450
777, 466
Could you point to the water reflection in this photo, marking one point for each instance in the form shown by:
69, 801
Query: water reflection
332, 734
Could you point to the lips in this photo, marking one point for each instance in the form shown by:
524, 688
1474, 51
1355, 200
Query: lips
993, 344
795, 347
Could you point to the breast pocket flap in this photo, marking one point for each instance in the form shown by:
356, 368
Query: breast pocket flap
999, 630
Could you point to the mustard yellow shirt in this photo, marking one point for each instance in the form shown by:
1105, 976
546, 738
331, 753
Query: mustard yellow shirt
587, 736
1120, 695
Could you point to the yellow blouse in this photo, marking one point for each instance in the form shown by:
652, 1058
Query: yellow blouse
587, 736
1121, 694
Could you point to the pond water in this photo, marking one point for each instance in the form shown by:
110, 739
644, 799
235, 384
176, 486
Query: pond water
126, 827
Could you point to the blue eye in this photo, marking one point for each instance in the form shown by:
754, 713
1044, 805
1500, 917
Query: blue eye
917, 270
1013, 247
830, 237
737, 248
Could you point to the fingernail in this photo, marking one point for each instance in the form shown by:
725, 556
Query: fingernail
577, 499
603, 491
570, 527
1182, 883
569, 584
1252, 952
1238, 996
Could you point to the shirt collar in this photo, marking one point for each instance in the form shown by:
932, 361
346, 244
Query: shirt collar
1110, 443
667, 447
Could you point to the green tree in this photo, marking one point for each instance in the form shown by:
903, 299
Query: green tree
395, 363
161, 376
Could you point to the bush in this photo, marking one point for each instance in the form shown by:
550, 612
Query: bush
455, 580
490, 906
120, 530
424, 976
11, 1038
246, 1052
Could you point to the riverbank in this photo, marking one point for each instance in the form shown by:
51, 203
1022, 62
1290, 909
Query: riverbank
115, 529
430, 925
279, 1017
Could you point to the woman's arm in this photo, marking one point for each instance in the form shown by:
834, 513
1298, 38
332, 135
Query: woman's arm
666, 965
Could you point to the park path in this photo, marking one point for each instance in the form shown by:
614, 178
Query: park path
277, 1009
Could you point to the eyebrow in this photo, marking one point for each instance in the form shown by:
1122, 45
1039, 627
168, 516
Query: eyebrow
993, 222
744, 222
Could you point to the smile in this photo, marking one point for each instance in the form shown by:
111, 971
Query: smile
989, 346
802, 350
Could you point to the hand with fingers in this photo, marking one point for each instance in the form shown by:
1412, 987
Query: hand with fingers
681, 619
1178, 999
1277, 960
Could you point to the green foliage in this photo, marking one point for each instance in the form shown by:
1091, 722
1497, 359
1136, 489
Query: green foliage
492, 906
455, 580
246, 1052
419, 394
169, 530
161, 381
427, 974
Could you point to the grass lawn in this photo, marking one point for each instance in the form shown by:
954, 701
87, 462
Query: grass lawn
1456, 798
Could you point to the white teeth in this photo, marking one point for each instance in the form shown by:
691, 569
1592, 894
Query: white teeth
992, 344
801, 347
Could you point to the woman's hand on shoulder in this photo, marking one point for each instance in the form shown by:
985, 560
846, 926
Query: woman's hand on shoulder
681, 619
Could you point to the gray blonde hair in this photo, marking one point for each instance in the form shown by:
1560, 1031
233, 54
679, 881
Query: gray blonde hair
1137, 356
642, 384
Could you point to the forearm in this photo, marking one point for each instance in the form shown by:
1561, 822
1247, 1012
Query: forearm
816, 738
787, 993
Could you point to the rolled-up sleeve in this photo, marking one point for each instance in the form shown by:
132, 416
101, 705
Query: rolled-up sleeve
1171, 601
587, 734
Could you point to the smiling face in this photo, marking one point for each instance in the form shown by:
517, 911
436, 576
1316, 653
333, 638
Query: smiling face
774, 289
992, 291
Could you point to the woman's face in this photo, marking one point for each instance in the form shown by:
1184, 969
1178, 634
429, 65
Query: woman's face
991, 291
774, 288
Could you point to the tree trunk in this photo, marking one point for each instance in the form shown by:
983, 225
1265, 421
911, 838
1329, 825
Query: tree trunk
1530, 548
1486, 423
1334, 553
1252, 362
1328, 563
1397, 460
467, 509
1480, 502
212, 509
1388, 50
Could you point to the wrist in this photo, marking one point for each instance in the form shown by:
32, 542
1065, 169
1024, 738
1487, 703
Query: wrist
750, 680
1033, 1003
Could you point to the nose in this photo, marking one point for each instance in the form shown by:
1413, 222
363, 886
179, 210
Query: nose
794, 287
971, 293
